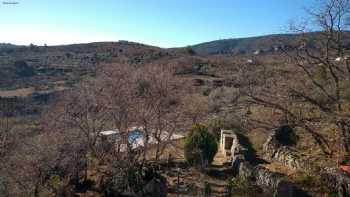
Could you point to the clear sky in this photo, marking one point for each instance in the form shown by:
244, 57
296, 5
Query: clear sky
164, 23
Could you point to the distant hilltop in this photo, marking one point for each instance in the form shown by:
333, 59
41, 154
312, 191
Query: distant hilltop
234, 46
8, 45
259, 44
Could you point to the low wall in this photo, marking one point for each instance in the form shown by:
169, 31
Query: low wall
275, 150
272, 182
337, 181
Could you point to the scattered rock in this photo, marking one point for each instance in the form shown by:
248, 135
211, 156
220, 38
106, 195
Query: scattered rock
155, 188
271, 182
336, 181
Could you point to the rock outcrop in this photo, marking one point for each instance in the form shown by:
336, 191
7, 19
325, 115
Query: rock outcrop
336, 181
278, 147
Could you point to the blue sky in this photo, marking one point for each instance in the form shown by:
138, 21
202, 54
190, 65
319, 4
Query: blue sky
164, 23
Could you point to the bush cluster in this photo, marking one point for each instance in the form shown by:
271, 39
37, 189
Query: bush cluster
200, 146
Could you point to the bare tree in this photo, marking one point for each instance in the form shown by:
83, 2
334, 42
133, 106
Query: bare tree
319, 84
195, 107
87, 111
118, 84
147, 98
49, 162
81, 113
159, 95
121, 97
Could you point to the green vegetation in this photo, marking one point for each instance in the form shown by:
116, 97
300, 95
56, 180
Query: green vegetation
200, 146
190, 50
23, 70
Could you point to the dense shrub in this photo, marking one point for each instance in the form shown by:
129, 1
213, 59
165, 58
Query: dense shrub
287, 136
200, 146
23, 69
190, 50
206, 91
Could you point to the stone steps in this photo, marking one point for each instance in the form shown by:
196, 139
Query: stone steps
219, 159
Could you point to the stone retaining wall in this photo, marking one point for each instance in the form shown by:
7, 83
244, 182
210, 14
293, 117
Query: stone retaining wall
275, 150
272, 182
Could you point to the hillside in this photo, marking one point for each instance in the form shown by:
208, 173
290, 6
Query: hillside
39, 66
7, 46
31, 75
245, 45
260, 44
34, 73
120, 74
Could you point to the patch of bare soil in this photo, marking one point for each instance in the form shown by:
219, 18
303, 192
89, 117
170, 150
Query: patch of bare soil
22, 92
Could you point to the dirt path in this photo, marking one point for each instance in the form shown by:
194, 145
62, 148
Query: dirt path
191, 180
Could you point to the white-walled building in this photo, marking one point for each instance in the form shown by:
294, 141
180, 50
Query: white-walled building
136, 138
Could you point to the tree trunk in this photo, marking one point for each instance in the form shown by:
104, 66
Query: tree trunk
36, 190
344, 126
86, 170
158, 150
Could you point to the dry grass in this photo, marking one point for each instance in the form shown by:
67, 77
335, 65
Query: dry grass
280, 168
22, 92
174, 150
257, 137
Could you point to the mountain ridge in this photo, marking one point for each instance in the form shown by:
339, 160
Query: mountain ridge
233, 46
